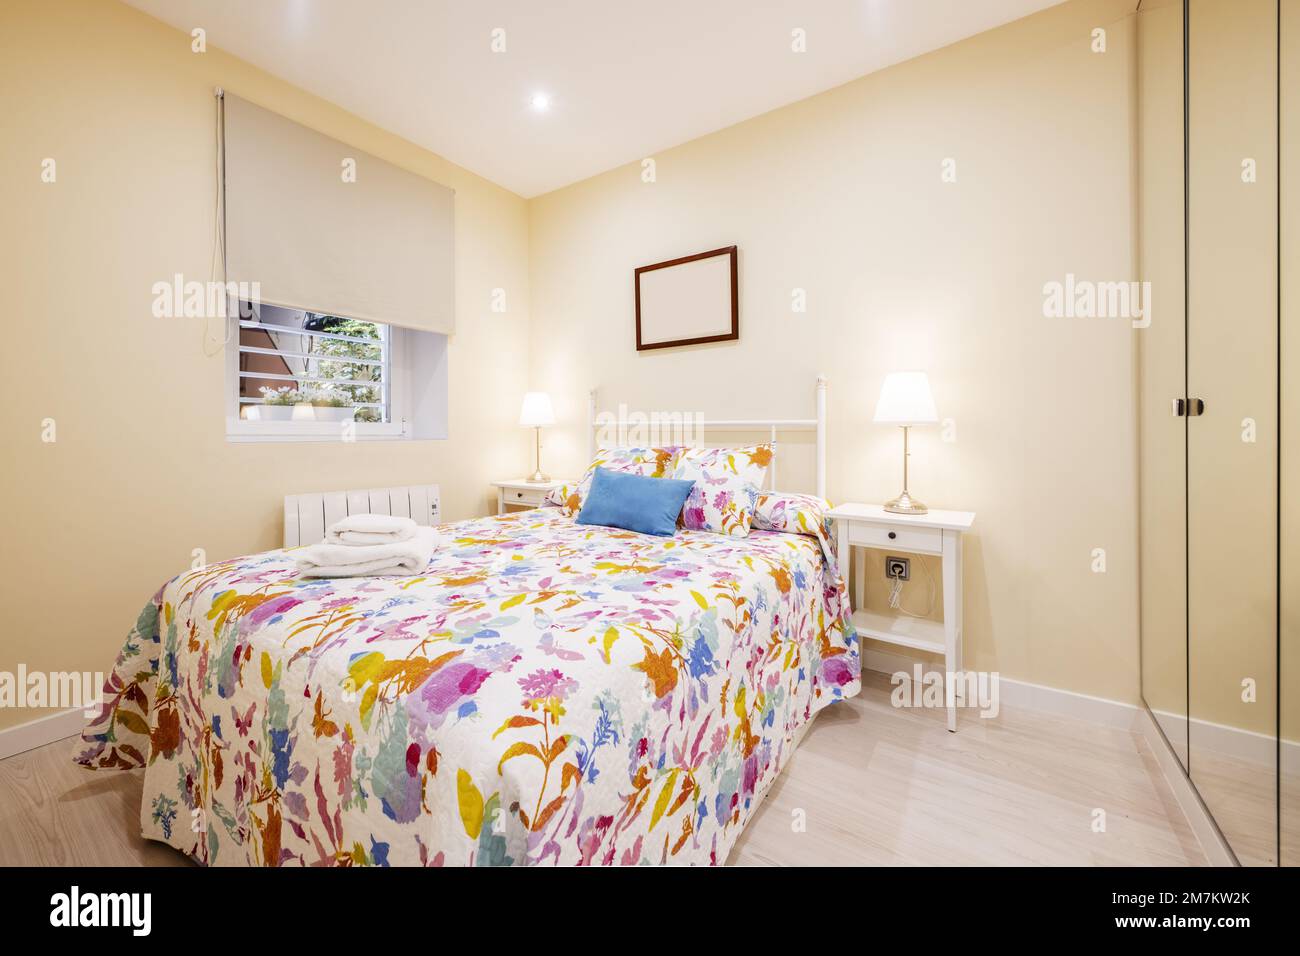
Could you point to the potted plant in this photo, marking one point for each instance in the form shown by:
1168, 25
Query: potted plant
330, 405
278, 404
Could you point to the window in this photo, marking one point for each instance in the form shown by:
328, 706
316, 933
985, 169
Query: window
307, 375
294, 375
288, 357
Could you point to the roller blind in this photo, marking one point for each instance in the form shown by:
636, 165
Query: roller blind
324, 227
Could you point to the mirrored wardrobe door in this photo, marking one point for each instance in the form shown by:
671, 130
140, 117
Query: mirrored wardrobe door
1232, 447
1289, 577
1160, 348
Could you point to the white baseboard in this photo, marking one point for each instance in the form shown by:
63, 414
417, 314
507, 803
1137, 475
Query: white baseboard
1248, 746
41, 731
1019, 693
1198, 815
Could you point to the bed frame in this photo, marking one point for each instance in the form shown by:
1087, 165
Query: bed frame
771, 425
307, 516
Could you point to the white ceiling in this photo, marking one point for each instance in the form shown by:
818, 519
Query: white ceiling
626, 78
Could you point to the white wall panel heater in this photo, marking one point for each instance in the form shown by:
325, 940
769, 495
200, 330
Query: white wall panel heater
307, 516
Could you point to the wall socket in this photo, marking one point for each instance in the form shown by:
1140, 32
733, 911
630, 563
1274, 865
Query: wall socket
900, 568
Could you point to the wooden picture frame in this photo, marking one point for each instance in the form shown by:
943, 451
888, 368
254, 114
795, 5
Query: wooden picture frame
664, 302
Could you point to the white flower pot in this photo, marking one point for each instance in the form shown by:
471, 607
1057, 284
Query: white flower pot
274, 413
326, 413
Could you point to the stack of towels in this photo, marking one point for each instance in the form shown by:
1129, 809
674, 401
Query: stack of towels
368, 546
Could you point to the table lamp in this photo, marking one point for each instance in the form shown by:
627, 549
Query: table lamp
905, 400
536, 412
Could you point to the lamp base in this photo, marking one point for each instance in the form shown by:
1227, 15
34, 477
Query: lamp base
538, 477
905, 504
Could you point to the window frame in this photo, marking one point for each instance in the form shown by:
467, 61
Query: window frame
395, 385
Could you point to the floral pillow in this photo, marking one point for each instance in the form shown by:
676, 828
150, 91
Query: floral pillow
797, 514
648, 462
726, 487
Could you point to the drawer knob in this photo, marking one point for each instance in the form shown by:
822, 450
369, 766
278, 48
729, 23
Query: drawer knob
893, 535
519, 494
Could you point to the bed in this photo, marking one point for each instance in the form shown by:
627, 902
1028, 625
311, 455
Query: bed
545, 693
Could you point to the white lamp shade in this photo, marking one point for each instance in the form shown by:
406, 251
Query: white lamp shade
905, 399
536, 410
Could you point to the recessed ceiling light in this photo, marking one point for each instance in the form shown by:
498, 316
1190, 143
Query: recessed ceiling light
541, 102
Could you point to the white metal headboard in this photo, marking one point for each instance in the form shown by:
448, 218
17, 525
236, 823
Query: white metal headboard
771, 425
307, 516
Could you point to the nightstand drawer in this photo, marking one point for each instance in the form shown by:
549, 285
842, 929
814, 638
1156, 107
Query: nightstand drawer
533, 497
924, 540
519, 493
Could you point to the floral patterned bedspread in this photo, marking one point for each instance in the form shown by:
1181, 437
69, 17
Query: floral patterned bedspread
545, 693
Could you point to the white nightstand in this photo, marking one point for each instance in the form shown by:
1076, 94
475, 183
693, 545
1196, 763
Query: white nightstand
522, 493
939, 532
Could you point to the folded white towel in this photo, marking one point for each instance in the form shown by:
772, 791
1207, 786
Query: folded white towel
371, 529
368, 560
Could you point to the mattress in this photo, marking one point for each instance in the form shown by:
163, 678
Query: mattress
545, 693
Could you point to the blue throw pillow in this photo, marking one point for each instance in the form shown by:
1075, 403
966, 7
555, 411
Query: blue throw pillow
635, 502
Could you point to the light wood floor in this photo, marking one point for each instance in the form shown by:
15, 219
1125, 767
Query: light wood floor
875, 785
881, 786
54, 813
1242, 795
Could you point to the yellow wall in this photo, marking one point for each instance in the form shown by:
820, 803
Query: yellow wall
841, 195
97, 520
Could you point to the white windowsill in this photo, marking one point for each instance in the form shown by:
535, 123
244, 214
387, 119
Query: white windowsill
238, 430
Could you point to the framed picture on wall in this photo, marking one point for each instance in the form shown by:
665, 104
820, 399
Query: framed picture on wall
687, 301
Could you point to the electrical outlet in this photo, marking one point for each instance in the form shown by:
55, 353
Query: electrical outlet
900, 568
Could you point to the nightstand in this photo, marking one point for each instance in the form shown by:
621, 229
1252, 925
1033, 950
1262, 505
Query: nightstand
938, 532
522, 493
